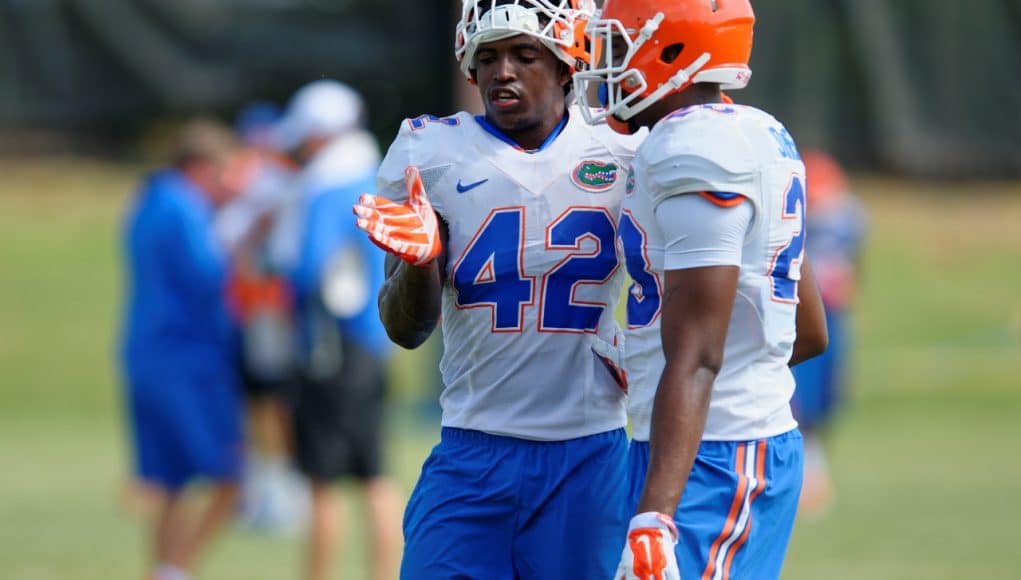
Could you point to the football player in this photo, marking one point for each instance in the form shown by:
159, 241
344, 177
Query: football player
713, 231
505, 223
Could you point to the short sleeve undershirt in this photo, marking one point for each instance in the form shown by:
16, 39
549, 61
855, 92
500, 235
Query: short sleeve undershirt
698, 233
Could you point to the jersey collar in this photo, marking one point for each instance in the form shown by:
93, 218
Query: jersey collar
495, 132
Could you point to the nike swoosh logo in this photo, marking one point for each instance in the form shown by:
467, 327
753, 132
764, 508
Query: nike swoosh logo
461, 188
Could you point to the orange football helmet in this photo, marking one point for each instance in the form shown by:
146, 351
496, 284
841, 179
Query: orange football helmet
558, 24
644, 50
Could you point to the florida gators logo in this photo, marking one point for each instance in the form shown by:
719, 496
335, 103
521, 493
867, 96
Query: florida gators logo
629, 185
594, 176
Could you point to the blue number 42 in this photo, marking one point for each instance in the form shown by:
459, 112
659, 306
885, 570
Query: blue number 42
490, 273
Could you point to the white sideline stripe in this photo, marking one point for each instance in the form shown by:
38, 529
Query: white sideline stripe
746, 509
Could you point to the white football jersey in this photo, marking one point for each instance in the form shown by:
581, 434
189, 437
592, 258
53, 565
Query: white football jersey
745, 156
532, 275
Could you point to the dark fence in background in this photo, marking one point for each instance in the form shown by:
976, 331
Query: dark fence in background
108, 66
919, 87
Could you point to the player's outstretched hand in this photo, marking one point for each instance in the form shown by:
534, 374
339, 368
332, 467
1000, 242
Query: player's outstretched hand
649, 551
407, 230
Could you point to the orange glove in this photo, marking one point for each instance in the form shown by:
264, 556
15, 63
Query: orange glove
408, 230
649, 552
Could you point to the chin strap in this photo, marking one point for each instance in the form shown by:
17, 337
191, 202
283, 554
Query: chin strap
681, 78
650, 28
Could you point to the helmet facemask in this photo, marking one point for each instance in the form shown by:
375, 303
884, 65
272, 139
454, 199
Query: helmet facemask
621, 86
558, 24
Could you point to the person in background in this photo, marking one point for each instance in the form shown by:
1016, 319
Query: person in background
183, 395
274, 497
836, 229
338, 416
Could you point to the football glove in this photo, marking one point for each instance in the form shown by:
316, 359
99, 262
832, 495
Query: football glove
407, 230
649, 551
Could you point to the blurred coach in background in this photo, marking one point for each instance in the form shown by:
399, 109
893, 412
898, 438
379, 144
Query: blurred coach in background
274, 498
182, 385
338, 416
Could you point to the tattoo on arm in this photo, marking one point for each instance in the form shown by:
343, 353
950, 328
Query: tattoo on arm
410, 298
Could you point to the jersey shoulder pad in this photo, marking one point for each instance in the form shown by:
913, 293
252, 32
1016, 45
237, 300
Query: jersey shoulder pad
699, 149
430, 143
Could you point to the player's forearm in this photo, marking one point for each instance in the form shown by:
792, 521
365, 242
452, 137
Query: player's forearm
678, 421
409, 301
696, 310
812, 333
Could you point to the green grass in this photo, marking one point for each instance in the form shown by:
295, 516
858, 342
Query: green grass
924, 455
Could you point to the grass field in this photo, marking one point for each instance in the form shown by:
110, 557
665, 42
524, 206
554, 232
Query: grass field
925, 454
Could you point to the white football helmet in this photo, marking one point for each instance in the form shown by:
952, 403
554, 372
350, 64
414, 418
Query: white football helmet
558, 24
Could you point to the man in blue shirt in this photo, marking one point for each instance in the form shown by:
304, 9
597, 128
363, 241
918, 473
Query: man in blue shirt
183, 397
338, 417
